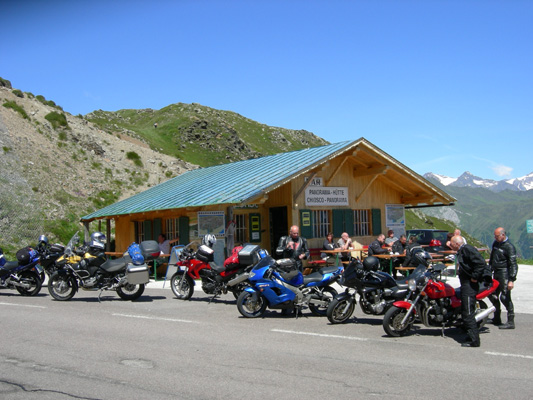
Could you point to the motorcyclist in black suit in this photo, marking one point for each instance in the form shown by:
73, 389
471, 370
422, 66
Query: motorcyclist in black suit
504, 267
293, 246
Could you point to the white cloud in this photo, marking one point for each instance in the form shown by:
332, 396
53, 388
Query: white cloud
502, 170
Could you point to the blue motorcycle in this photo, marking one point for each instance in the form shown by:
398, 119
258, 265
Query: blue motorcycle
21, 274
279, 285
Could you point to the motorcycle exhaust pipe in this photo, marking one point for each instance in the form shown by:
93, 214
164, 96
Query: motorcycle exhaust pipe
239, 279
485, 313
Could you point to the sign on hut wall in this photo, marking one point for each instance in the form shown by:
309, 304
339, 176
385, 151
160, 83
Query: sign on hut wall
316, 196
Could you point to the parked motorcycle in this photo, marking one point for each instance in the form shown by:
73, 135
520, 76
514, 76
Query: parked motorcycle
216, 279
377, 290
278, 284
434, 303
22, 274
49, 254
83, 268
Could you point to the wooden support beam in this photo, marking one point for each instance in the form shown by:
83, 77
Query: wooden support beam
422, 198
366, 188
336, 171
304, 186
376, 170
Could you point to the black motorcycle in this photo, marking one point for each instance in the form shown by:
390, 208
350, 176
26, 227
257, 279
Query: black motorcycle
377, 290
21, 274
83, 268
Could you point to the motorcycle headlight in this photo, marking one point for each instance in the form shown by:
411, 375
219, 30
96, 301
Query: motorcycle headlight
412, 285
252, 274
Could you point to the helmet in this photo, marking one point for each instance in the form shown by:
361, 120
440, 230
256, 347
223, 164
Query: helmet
423, 257
97, 240
370, 263
43, 239
209, 240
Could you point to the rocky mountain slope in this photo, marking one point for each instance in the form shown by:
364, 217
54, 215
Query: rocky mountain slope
56, 167
467, 179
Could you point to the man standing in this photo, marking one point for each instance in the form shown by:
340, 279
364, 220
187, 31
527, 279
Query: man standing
471, 267
293, 246
504, 267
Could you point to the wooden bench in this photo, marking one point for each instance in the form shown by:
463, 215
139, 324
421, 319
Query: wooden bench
314, 261
405, 269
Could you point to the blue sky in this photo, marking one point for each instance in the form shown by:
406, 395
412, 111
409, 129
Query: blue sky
442, 86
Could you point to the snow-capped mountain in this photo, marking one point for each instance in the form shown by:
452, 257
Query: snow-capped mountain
468, 180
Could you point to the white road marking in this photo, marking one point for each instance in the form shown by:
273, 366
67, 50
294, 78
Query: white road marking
21, 305
491, 353
155, 318
320, 335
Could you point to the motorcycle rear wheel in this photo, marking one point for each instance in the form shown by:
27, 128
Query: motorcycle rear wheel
182, 290
340, 311
250, 308
392, 322
328, 294
61, 287
32, 279
130, 292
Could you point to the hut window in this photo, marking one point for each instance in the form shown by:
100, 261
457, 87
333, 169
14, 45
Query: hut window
321, 223
361, 222
139, 231
172, 226
240, 228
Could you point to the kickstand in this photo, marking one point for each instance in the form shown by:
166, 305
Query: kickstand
297, 311
212, 298
442, 333
99, 294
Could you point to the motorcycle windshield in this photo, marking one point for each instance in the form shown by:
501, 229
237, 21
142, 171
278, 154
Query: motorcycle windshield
72, 243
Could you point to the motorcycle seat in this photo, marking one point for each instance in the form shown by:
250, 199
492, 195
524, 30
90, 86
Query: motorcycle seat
10, 265
114, 265
217, 268
314, 277
328, 270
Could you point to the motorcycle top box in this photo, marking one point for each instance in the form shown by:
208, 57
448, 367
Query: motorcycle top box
205, 254
137, 274
249, 254
150, 250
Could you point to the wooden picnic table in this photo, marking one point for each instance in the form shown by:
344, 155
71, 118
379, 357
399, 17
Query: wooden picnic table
390, 257
338, 251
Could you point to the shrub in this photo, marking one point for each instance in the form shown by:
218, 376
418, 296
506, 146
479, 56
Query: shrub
57, 119
6, 149
17, 108
5, 83
133, 156
18, 93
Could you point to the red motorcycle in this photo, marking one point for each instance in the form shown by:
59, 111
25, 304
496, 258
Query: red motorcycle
216, 280
434, 303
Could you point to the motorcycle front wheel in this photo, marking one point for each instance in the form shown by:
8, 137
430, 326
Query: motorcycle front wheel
327, 294
62, 287
182, 286
340, 310
130, 292
392, 322
250, 308
33, 282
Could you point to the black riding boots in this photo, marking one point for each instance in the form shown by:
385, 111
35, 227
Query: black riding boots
472, 340
510, 322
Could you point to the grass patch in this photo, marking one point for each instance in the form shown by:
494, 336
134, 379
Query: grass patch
133, 156
104, 198
18, 93
58, 120
6, 149
17, 108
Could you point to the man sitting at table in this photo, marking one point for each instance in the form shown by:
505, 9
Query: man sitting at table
398, 247
345, 243
375, 248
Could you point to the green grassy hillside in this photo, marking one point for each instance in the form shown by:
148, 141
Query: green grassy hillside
203, 135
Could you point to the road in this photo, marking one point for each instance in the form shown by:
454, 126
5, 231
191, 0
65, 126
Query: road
162, 348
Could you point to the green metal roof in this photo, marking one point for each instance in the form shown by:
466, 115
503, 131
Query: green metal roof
233, 183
